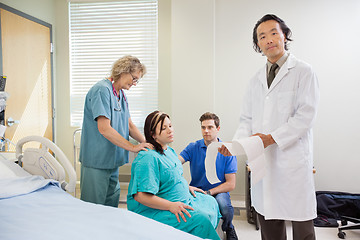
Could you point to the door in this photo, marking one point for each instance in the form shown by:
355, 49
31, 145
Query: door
26, 63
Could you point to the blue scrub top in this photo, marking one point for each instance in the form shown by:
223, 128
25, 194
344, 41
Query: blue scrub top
195, 153
95, 150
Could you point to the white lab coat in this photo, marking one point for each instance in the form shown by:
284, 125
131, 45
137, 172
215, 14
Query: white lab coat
287, 111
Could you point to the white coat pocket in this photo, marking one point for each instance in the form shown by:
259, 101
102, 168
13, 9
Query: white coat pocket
286, 101
292, 156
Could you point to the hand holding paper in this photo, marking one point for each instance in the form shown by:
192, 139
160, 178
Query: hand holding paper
252, 147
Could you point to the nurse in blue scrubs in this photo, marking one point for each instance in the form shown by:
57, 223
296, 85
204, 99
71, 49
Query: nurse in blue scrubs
159, 191
105, 133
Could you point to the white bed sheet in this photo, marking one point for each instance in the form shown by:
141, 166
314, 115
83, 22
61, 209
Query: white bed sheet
47, 212
9, 165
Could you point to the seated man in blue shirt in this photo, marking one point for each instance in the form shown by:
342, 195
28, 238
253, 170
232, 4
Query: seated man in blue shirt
226, 168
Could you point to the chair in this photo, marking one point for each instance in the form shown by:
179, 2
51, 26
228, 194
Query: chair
251, 214
346, 226
339, 206
219, 230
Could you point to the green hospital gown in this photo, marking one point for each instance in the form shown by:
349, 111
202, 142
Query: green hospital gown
162, 175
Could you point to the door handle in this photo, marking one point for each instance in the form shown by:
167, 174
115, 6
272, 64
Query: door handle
10, 121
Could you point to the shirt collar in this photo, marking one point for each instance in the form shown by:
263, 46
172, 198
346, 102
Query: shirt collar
202, 143
279, 62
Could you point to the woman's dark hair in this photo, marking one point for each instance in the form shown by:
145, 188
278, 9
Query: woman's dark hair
284, 28
151, 121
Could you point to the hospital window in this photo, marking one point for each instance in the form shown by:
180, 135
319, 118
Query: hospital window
102, 32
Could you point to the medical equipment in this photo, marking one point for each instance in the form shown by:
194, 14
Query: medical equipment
4, 142
39, 161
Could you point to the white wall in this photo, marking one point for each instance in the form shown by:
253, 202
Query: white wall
191, 69
213, 60
206, 59
323, 32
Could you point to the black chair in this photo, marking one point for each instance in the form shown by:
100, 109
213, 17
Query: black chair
345, 226
339, 206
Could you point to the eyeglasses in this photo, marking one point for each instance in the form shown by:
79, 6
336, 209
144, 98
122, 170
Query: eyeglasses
134, 79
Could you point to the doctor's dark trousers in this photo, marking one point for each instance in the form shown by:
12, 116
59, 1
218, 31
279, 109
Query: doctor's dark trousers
276, 229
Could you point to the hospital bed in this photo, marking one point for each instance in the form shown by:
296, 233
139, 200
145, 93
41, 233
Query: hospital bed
38, 206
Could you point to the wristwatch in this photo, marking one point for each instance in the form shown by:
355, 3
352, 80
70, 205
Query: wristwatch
208, 192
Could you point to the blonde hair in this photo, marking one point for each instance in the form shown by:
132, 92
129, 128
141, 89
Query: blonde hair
127, 64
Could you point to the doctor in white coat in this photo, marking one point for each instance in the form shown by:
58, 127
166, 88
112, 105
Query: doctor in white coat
282, 114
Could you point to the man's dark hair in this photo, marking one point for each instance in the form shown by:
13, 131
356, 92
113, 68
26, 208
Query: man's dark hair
209, 116
284, 28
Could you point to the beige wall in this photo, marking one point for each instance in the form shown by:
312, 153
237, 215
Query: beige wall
64, 132
206, 59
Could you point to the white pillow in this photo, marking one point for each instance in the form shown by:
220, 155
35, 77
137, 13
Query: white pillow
5, 171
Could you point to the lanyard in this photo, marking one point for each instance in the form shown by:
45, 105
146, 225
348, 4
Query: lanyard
118, 95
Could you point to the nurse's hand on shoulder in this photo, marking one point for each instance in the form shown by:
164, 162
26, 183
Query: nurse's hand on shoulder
179, 208
142, 146
193, 189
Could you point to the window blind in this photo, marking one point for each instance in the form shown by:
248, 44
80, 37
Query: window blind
101, 33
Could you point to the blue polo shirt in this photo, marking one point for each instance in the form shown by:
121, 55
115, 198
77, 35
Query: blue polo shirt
95, 150
195, 153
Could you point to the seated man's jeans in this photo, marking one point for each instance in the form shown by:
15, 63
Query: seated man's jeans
226, 210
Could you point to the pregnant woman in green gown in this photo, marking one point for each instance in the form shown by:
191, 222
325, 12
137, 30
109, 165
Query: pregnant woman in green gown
159, 191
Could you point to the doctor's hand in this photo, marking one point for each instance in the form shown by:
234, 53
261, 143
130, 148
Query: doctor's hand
193, 189
224, 151
267, 139
179, 208
142, 146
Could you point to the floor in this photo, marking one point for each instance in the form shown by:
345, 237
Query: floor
246, 231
